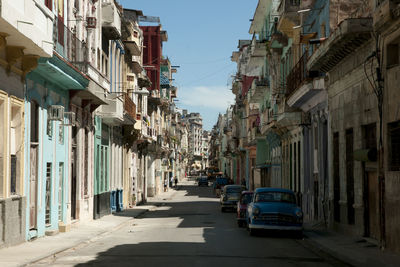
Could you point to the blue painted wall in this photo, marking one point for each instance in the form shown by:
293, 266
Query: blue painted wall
50, 150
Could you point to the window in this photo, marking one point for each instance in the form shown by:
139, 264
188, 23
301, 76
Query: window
48, 193
394, 146
49, 129
323, 31
61, 134
34, 122
16, 147
86, 158
392, 55
60, 190
275, 197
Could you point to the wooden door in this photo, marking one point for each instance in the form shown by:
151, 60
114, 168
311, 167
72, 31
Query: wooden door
373, 204
33, 187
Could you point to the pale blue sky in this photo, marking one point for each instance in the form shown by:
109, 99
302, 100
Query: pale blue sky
201, 38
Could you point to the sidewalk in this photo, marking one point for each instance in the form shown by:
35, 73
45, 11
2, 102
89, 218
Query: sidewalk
352, 250
81, 233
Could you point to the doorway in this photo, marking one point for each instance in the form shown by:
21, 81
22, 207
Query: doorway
33, 170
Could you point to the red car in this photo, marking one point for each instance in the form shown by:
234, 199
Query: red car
245, 198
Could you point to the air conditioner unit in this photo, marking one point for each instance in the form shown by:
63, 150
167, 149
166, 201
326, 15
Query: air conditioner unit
71, 118
55, 113
91, 22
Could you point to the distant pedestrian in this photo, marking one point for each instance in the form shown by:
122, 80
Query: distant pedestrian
165, 185
176, 182
171, 181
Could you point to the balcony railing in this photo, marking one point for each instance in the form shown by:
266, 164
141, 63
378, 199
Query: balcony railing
70, 47
130, 107
288, 6
297, 75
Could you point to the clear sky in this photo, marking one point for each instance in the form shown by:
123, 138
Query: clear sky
201, 38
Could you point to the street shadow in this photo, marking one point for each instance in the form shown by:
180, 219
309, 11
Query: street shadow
215, 240
217, 249
199, 191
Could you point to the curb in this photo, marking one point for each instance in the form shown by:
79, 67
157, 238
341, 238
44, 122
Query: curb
84, 242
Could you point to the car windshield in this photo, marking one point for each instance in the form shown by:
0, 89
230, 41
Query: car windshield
232, 190
246, 199
275, 197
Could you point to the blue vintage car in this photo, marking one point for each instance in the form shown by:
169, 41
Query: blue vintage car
274, 209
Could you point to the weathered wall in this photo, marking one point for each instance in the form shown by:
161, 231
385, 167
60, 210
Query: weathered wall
392, 114
392, 210
12, 221
352, 104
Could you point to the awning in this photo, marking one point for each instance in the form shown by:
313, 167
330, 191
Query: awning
61, 74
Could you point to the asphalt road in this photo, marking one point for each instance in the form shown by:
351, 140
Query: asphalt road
189, 230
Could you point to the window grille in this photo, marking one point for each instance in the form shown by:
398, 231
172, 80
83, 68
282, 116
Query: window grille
48, 194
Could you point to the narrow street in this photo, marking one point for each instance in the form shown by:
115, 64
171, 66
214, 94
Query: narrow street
189, 229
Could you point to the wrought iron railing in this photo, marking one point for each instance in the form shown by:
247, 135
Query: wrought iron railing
297, 75
70, 47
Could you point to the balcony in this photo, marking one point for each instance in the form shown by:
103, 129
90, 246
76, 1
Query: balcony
385, 12
258, 89
136, 64
68, 46
19, 27
113, 113
258, 47
288, 118
132, 43
111, 19
129, 109
297, 75
144, 81
154, 97
288, 16
311, 89
348, 36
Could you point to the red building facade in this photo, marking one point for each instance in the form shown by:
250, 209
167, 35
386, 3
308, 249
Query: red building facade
152, 53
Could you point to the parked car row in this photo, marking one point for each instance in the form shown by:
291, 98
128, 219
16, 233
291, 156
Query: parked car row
264, 209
